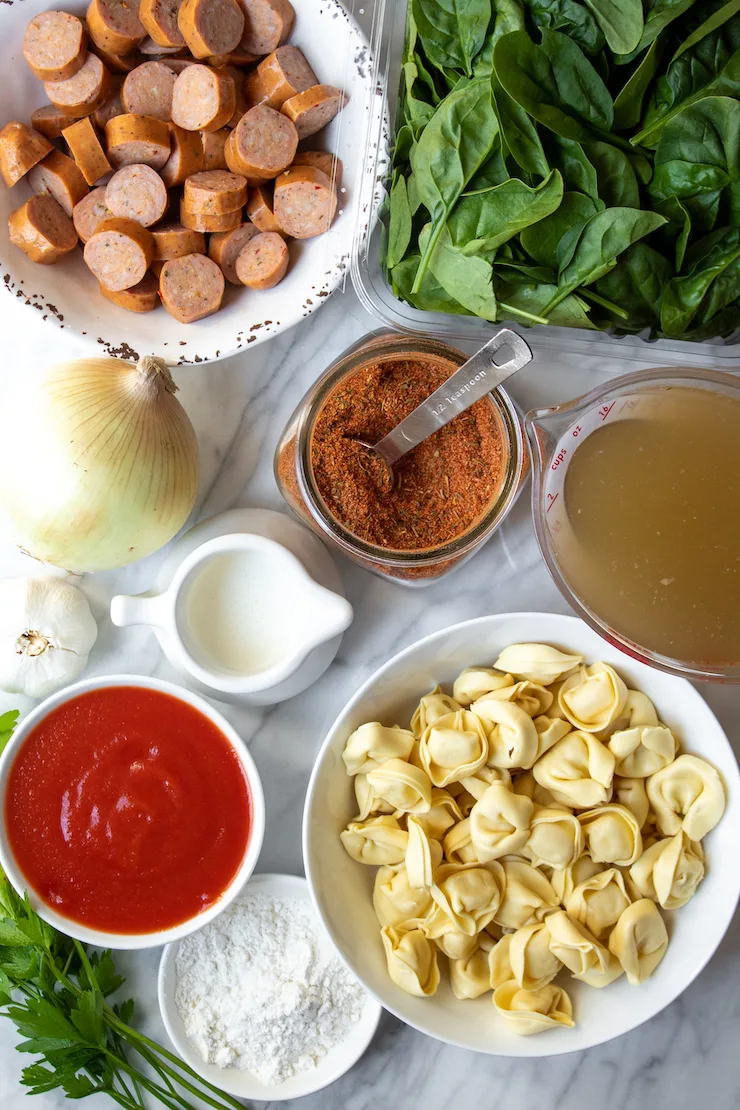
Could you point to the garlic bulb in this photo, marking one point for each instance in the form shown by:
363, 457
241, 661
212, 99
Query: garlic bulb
103, 463
46, 633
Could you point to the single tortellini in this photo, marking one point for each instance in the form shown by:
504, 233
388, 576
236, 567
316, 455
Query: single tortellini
457, 945
458, 845
578, 771
539, 663
478, 783
368, 801
669, 871
555, 838
528, 785
466, 898
375, 841
580, 951
373, 743
533, 1011
441, 816
499, 822
394, 899
470, 977
431, 707
476, 682
549, 731
453, 747
528, 896
565, 882
512, 737
533, 963
593, 698
642, 750
412, 960
632, 794
499, 962
598, 902
423, 856
529, 696
639, 710
687, 794
639, 940
405, 787
612, 834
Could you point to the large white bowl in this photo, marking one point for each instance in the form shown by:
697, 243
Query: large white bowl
342, 889
67, 294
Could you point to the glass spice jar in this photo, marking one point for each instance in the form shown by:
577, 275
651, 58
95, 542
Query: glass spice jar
301, 473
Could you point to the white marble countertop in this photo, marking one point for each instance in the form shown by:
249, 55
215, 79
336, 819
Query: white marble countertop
688, 1055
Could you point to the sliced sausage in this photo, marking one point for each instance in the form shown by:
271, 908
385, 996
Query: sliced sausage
267, 24
203, 98
148, 48
49, 121
143, 297
156, 266
240, 105
89, 212
117, 63
134, 140
20, 149
313, 109
186, 157
147, 91
198, 221
114, 25
191, 287
177, 65
86, 149
82, 94
137, 193
259, 209
59, 176
112, 106
159, 17
119, 252
224, 248
284, 74
263, 262
255, 90
173, 241
213, 149
214, 192
261, 145
42, 230
321, 160
211, 26
236, 57
304, 202
54, 45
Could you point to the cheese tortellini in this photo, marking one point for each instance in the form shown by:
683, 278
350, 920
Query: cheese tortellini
528, 829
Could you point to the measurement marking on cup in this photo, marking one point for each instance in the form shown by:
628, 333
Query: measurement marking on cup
552, 498
606, 409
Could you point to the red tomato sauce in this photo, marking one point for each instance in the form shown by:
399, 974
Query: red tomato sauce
127, 810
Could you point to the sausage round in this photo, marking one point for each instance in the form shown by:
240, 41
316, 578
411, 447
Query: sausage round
211, 26
263, 262
54, 45
89, 212
304, 202
117, 63
159, 17
259, 209
313, 109
42, 230
203, 98
213, 149
143, 297
114, 25
285, 73
59, 176
49, 121
191, 287
261, 145
118, 253
83, 93
321, 160
147, 91
137, 193
186, 157
214, 192
240, 100
173, 241
224, 248
236, 57
86, 149
133, 140
198, 221
267, 24
20, 149
255, 91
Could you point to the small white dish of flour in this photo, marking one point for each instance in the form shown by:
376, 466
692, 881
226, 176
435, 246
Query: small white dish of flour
259, 1002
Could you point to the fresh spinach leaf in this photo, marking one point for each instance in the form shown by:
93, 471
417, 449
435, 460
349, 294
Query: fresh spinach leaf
628, 101
483, 221
431, 297
617, 183
572, 18
658, 15
712, 23
531, 299
706, 261
621, 22
399, 225
579, 172
493, 172
519, 133
542, 241
507, 16
636, 283
452, 31
469, 279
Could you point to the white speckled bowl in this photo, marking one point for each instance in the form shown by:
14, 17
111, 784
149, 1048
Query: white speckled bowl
67, 294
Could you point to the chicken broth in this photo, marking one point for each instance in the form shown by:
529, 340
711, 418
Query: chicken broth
653, 508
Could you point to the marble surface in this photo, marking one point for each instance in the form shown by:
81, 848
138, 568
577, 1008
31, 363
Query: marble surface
239, 407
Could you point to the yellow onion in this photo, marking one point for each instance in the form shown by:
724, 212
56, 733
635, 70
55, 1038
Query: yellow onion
100, 463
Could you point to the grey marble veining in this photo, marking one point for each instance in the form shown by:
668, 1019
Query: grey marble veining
688, 1055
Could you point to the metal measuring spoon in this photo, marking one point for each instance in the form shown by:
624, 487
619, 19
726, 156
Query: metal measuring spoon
473, 380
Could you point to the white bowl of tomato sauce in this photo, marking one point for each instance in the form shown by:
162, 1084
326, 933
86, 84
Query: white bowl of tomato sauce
131, 811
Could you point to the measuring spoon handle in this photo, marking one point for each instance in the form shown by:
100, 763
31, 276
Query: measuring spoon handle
474, 379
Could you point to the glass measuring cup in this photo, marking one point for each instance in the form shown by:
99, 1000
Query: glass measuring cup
555, 435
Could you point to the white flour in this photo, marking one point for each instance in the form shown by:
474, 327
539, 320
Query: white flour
260, 988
